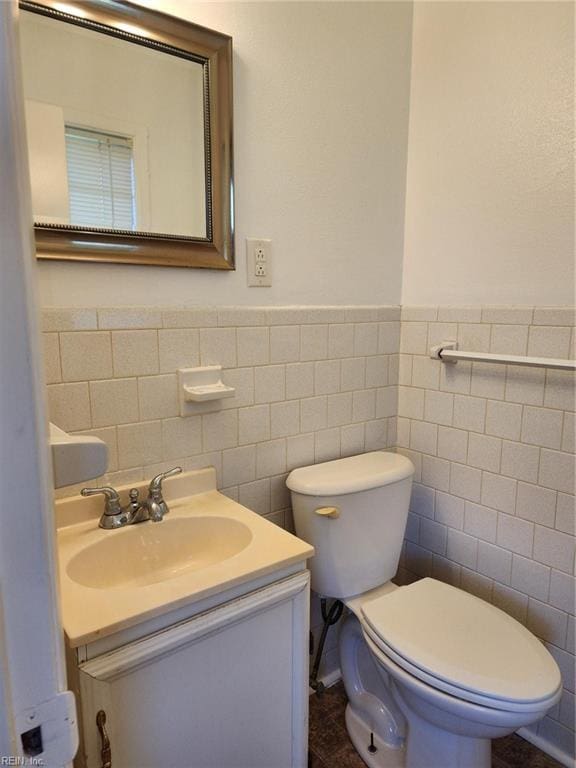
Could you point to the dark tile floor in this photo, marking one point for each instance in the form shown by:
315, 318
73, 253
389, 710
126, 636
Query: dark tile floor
330, 746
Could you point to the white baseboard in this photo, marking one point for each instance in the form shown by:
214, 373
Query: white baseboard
331, 678
548, 747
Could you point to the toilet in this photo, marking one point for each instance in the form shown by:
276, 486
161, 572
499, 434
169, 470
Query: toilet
432, 673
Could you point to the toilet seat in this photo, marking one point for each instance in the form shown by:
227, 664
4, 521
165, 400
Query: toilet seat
388, 658
461, 645
455, 705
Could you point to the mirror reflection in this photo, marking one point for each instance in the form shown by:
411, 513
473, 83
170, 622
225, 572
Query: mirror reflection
116, 131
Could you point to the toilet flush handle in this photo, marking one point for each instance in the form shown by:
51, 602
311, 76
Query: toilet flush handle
332, 512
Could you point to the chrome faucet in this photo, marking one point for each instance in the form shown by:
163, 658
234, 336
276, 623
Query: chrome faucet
152, 508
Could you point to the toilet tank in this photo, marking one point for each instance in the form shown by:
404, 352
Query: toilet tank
353, 511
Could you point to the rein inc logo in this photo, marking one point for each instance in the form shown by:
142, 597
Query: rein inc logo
20, 761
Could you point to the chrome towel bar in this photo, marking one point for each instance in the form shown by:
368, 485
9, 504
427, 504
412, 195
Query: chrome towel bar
447, 352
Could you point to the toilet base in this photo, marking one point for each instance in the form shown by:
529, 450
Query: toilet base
359, 732
408, 730
428, 746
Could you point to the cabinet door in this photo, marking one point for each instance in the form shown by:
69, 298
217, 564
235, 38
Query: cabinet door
225, 689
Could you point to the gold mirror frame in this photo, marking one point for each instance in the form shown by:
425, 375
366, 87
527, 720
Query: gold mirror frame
179, 38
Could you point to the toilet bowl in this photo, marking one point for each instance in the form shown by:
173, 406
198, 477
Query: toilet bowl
461, 671
432, 673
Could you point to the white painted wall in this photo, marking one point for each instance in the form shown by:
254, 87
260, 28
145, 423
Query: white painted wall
490, 183
321, 107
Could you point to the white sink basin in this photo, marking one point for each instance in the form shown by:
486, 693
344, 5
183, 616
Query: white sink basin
206, 545
147, 553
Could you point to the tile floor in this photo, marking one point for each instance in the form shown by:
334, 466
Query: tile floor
330, 746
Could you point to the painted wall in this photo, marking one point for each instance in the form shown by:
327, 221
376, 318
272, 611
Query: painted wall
321, 96
490, 183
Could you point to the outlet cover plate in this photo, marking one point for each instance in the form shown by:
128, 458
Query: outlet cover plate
258, 262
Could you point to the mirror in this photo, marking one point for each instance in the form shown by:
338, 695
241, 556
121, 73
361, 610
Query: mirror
129, 125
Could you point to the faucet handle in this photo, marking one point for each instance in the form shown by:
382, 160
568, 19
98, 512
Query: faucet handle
113, 506
155, 487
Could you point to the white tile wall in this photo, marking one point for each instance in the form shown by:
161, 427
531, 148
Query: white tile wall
312, 384
493, 507
85, 357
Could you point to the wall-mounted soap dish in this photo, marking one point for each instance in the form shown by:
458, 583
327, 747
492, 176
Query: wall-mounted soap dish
201, 389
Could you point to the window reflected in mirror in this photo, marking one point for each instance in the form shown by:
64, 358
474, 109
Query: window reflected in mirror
101, 179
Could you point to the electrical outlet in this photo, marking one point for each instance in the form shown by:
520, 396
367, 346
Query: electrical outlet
258, 262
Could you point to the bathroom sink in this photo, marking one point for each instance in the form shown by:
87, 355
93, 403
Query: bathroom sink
145, 554
207, 545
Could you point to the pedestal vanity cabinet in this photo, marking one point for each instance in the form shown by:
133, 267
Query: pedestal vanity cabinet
180, 657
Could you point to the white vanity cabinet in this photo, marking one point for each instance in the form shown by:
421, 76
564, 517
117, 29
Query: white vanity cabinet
225, 688
188, 635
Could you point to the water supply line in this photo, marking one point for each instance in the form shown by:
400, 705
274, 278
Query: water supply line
330, 618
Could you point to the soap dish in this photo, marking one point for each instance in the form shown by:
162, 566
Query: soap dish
199, 386
205, 392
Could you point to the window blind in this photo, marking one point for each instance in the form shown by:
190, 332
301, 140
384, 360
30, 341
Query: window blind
100, 179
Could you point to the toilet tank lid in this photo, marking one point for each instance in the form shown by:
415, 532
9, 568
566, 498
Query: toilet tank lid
349, 475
